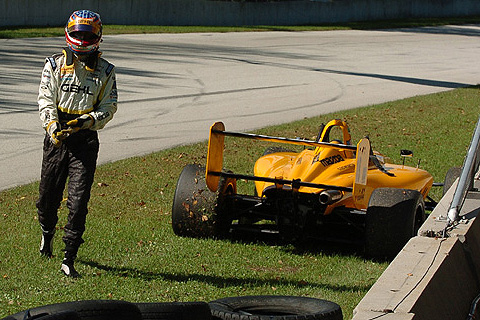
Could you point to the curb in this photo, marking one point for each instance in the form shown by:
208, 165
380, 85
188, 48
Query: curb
432, 277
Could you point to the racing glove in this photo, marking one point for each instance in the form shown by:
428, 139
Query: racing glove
83, 122
56, 135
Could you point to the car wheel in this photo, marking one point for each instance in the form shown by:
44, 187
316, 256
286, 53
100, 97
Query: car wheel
452, 174
196, 211
85, 310
274, 308
174, 310
393, 217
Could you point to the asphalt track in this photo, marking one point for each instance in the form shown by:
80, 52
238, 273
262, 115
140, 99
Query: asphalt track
172, 87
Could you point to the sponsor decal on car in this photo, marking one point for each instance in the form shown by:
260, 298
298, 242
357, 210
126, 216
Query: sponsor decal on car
329, 160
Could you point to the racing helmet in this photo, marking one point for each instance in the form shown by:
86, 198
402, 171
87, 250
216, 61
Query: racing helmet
83, 32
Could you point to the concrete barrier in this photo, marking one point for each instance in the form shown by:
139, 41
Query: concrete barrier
230, 13
432, 277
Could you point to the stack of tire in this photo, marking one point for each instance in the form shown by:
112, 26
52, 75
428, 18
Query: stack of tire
238, 308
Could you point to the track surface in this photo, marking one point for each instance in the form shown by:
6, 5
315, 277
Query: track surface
172, 87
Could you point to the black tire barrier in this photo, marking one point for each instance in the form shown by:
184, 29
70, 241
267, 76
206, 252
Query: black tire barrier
175, 311
65, 315
85, 310
274, 308
232, 308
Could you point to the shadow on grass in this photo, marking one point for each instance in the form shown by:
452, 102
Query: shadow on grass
216, 280
346, 246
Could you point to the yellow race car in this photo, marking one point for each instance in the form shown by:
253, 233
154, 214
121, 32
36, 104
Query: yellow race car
330, 189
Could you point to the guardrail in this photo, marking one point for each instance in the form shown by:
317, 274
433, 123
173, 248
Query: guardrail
465, 183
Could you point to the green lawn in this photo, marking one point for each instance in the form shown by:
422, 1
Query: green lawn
131, 252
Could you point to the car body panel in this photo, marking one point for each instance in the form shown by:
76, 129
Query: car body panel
334, 171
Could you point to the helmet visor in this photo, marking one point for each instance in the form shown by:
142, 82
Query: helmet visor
83, 28
84, 36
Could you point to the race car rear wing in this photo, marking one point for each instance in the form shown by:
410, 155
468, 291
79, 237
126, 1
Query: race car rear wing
214, 169
360, 199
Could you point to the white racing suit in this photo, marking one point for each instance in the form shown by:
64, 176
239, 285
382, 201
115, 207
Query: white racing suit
70, 88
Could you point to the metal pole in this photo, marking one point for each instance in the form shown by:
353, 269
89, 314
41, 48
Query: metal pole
465, 183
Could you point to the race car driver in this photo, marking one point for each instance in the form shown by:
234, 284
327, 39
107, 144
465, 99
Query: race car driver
77, 97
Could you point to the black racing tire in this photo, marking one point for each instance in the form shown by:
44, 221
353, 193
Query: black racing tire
274, 308
452, 174
175, 310
86, 310
393, 217
197, 211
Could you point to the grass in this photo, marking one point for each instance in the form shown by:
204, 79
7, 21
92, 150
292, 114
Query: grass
58, 31
131, 253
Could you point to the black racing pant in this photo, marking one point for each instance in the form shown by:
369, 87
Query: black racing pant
76, 160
